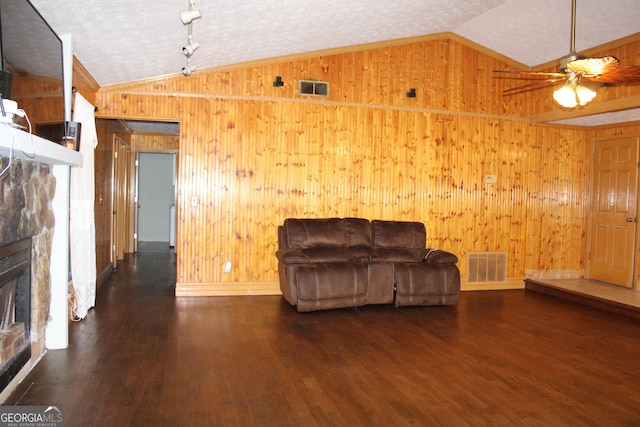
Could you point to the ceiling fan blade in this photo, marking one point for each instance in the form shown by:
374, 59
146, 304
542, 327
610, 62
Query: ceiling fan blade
622, 74
591, 67
539, 84
540, 74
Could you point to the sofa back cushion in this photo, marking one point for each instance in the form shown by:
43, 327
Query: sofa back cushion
314, 233
325, 233
399, 234
358, 232
398, 241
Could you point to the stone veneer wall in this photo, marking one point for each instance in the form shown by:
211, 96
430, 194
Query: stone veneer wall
26, 192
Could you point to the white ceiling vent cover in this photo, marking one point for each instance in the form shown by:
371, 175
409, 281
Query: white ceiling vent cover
313, 87
487, 267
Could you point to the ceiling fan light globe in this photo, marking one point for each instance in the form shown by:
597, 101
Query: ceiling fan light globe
566, 96
584, 94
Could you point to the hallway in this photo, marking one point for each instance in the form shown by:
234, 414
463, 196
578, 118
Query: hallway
144, 357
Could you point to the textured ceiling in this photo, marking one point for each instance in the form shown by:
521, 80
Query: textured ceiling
121, 41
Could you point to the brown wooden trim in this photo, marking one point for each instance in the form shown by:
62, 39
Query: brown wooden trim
103, 276
203, 289
511, 283
81, 73
591, 109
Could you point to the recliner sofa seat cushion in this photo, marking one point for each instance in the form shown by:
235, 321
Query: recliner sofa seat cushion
424, 284
397, 255
316, 255
336, 280
330, 254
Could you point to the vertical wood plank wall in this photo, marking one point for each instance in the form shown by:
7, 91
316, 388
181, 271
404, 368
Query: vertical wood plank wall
252, 155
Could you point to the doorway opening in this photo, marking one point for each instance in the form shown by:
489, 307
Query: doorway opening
156, 195
121, 143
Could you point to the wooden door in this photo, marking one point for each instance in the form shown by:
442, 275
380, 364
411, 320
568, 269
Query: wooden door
104, 197
613, 211
121, 197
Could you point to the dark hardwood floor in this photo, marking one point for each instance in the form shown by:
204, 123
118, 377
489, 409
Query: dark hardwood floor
502, 358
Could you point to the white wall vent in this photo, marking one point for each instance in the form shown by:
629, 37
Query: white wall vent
487, 267
312, 87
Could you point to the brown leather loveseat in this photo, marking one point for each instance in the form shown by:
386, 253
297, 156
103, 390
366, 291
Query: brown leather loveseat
351, 262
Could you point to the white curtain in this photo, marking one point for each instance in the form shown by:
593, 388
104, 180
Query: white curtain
82, 234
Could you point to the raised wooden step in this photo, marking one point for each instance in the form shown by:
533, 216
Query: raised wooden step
593, 293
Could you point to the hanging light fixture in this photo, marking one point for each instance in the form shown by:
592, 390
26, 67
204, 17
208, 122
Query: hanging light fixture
190, 48
189, 68
187, 17
574, 93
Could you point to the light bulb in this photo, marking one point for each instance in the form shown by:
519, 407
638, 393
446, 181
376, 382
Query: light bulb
584, 94
566, 96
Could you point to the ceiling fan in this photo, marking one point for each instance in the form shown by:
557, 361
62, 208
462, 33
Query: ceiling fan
581, 75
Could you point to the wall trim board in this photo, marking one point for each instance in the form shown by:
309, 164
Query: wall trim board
218, 289
600, 107
330, 103
511, 283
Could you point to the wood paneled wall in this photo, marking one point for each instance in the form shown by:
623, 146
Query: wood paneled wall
155, 142
39, 96
252, 155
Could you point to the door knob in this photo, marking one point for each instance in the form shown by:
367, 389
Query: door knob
632, 219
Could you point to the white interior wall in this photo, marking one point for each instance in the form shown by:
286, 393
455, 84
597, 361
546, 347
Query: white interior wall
156, 194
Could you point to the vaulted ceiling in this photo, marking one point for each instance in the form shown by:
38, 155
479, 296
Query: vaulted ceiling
121, 41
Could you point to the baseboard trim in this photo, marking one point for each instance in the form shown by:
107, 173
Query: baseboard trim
511, 283
103, 276
218, 289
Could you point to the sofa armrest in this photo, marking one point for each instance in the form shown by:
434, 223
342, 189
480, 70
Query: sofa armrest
436, 256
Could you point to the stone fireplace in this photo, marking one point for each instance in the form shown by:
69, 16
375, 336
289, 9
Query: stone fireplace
26, 224
34, 206
15, 309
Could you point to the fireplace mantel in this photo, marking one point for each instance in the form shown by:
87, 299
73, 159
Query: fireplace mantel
45, 151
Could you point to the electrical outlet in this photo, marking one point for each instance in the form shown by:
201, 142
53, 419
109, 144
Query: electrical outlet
227, 267
491, 179
194, 201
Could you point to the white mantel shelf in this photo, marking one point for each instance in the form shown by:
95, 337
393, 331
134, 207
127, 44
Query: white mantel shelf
45, 151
